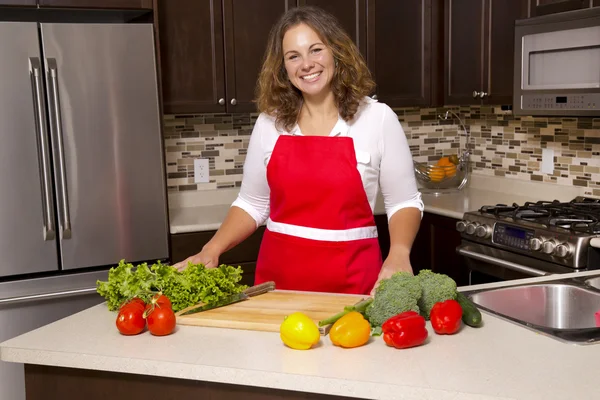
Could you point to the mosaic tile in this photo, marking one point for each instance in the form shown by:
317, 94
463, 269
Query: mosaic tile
500, 143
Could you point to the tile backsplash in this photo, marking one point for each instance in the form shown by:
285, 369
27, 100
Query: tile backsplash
500, 143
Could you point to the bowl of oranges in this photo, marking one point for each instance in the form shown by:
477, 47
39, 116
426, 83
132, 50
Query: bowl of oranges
449, 173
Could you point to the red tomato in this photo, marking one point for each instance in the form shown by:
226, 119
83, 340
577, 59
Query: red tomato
161, 300
136, 302
130, 320
161, 321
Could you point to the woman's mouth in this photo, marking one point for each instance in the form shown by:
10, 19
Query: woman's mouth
311, 77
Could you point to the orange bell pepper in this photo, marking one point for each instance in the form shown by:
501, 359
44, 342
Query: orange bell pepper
352, 330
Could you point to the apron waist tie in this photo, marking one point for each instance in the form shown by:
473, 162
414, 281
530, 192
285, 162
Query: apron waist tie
328, 235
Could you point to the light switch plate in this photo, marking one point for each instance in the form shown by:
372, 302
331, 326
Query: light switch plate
201, 174
547, 161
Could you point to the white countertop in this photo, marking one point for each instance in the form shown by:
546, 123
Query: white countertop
497, 361
204, 211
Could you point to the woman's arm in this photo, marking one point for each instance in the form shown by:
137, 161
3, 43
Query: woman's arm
248, 211
402, 199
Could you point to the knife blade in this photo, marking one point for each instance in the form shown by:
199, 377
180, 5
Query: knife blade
251, 291
224, 302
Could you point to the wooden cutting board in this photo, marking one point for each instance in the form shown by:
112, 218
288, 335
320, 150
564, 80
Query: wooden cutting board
266, 312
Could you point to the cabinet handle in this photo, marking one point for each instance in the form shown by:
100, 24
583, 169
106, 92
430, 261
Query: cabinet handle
233, 102
221, 101
479, 94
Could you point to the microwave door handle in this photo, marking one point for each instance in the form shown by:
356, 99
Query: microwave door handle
502, 263
58, 140
41, 131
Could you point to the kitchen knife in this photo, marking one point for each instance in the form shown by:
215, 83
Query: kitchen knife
251, 291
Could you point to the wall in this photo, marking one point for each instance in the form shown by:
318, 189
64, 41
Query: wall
502, 145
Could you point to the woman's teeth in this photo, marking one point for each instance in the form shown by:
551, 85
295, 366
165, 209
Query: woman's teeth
311, 76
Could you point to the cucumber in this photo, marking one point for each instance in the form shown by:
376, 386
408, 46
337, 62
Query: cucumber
471, 315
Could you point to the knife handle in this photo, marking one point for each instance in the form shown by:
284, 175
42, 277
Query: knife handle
260, 289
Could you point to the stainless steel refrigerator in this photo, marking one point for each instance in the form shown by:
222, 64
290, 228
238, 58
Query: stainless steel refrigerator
82, 181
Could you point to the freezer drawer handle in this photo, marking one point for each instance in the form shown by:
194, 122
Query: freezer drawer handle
47, 296
57, 135
41, 130
502, 263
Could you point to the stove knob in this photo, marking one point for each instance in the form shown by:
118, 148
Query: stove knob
563, 250
535, 244
483, 231
461, 226
471, 227
548, 246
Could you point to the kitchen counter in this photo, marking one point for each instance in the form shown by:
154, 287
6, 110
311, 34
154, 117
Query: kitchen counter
497, 361
204, 211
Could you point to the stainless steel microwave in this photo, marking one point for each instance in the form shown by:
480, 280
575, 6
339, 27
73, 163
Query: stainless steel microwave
557, 64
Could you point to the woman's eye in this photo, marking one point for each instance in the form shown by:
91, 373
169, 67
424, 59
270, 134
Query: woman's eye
292, 57
316, 50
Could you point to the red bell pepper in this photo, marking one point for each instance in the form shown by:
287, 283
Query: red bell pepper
404, 330
446, 317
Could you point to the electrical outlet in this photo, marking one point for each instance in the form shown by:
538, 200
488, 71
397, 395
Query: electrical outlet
201, 174
547, 161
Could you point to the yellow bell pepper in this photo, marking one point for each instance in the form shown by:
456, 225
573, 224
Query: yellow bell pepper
299, 332
352, 330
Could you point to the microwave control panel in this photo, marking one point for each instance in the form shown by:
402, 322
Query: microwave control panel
581, 101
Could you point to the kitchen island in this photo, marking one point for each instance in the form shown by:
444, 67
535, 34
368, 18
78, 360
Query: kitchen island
84, 357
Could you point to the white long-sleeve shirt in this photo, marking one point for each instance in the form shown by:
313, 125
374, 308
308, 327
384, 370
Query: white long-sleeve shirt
381, 149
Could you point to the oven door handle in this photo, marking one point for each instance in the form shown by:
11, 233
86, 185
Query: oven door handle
502, 263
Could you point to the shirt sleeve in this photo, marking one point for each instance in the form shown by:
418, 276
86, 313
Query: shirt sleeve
397, 177
254, 196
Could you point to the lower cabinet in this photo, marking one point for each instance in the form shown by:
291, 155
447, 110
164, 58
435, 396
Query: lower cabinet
243, 255
435, 248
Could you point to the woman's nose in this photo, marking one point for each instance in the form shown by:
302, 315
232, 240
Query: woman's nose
307, 63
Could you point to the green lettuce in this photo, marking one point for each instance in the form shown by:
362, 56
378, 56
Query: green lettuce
191, 286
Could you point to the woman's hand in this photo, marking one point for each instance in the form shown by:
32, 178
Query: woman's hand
209, 257
389, 268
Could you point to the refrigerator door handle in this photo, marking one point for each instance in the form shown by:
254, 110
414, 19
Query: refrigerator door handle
35, 72
57, 137
47, 296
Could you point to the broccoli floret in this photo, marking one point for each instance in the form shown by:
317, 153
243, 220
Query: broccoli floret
436, 287
393, 296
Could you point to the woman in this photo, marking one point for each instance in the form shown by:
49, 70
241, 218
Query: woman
317, 154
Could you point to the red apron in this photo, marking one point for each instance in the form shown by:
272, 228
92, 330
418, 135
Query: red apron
321, 235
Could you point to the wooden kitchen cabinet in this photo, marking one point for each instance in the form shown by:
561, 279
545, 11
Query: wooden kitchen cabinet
545, 7
478, 48
107, 4
352, 15
212, 51
435, 248
18, 2
403, 51
245, 254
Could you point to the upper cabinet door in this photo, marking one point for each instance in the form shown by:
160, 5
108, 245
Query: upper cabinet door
247, 24
545, 7
399, 51
125, 4
18, 2
351, 14
464, 52
499, 49
191, 52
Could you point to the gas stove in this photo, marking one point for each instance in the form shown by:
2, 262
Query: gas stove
555, 232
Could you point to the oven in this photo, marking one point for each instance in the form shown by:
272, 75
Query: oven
487, 264
535, 239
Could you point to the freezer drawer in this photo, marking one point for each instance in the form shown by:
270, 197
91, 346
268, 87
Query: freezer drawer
27, 226
107, 146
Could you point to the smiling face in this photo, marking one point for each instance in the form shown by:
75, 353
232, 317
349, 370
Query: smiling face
308, 62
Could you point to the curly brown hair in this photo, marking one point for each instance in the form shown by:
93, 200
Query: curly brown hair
276, 96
